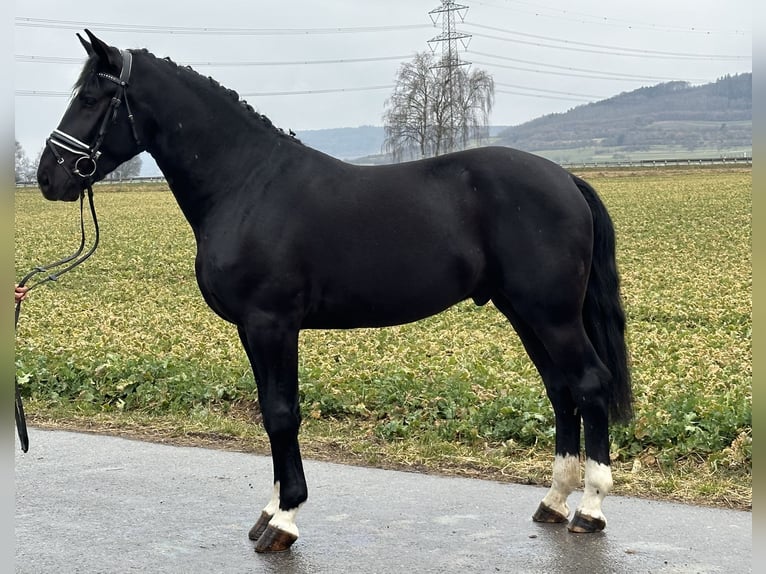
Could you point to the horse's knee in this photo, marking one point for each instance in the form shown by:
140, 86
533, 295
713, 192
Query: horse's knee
281, 420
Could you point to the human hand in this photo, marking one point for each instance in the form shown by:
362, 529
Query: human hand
19, 293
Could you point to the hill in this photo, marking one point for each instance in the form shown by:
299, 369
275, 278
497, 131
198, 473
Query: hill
669, 120
345, 143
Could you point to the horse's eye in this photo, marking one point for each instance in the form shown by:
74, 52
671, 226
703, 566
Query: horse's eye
89, 101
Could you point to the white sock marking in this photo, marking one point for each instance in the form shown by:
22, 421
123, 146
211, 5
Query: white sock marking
273, 505
282, 519
285, 521
566, 477
598, 483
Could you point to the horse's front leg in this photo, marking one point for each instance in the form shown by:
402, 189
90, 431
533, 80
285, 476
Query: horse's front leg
272, 347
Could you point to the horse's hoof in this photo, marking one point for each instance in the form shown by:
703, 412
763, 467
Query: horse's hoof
583, 524
260, 526
275, 540
548, 515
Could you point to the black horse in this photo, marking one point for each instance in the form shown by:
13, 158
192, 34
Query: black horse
289, 239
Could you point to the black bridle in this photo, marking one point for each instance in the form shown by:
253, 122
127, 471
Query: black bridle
85, 167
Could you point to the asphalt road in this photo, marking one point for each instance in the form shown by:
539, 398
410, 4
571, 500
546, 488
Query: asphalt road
97, 504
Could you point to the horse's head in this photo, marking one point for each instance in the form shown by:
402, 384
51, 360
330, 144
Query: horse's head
97, 132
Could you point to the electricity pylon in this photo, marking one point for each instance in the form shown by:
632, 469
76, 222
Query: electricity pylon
450, 61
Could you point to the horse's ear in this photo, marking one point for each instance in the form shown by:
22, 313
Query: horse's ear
105, 53
86, 45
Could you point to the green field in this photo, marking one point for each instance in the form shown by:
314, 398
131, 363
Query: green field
125, 344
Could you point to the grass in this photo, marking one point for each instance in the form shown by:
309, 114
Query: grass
125, 344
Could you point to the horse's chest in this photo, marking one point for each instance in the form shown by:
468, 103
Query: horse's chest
236, 277
218, 278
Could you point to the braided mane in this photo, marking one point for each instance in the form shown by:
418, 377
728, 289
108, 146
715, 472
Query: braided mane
89, 68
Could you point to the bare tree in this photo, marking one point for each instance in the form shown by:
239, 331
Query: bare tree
407, 118
476, 96
430, 112
127, 170
21, 166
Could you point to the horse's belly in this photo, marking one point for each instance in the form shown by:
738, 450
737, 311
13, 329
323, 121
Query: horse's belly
371, 314
393, 295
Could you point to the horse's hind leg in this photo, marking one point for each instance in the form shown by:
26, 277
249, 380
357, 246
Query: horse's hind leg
584, 389
575, 382
273, 351
566, 464
591, 395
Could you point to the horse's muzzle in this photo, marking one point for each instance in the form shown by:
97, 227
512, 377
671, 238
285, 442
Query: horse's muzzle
56, 185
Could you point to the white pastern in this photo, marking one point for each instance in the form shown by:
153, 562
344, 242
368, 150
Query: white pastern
598, 483
284, 520
566, 477
273, 505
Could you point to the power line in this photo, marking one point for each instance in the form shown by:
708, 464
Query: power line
516, 86
148, 29
597, 74
42, 94
572, 75
571, 16
641, 51
543, 96
608, 50
326, 91
565, 71
301, 62
54, 94
80, 61
553, 69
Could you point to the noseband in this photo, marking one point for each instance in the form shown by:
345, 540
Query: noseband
85, 166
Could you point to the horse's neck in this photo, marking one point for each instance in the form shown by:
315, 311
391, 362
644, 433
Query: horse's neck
205, 145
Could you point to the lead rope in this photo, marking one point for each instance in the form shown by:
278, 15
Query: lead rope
74, 260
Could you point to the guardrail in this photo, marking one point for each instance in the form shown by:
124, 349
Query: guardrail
747, 160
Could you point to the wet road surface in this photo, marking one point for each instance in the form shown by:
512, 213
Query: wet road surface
98, 504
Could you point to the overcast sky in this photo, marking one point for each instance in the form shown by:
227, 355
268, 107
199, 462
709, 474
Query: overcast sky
545, 56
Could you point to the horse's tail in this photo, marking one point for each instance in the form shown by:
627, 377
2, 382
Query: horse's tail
603, 313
